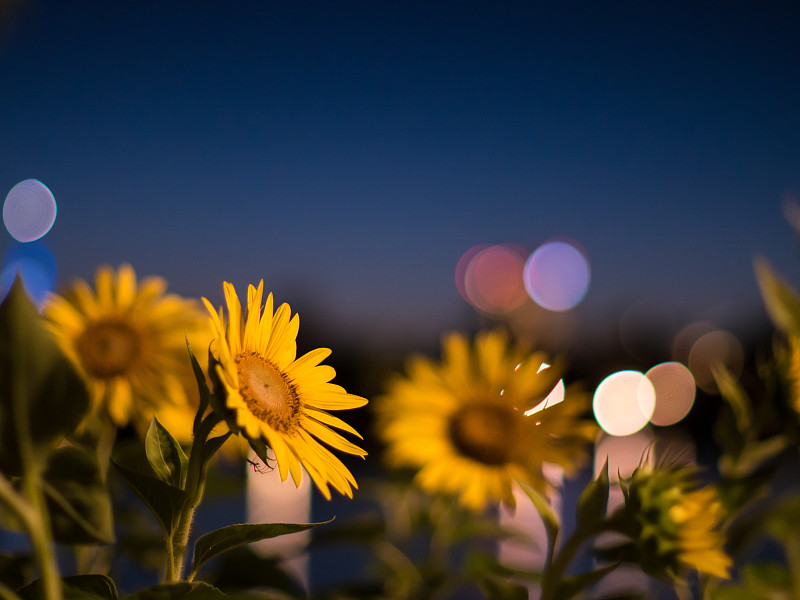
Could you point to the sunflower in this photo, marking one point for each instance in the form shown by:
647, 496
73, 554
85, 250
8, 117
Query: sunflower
275, 397
674, 523
794, 372
462, 423
128, 340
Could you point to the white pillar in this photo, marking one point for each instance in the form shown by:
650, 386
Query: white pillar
270, 500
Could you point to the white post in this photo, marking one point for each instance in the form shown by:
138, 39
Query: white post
270, 500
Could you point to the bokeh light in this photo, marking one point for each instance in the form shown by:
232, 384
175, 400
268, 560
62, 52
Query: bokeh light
29, 210
35, 264
490, 278
686, 337
624, 453
675, 392
461, 269
717, 347
624, 402
556, 276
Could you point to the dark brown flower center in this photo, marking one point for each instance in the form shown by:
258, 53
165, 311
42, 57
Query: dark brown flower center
269, 394
109, 348
484, 432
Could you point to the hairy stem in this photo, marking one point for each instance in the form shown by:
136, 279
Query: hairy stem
38, 521
194, 488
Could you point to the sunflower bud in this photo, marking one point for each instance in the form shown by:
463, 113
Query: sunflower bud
673, 524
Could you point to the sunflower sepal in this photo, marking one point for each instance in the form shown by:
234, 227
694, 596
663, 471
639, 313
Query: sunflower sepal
202, 387
216, 399
212, 445
259, 446
165, 455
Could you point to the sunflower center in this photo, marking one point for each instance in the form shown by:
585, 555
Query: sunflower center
484, 432
269, 394
108, 348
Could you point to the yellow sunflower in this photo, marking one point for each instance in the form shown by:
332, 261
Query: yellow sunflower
674, 523
276, 397
128, 340
794, 372
462, 423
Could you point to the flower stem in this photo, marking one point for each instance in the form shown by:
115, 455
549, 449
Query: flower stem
792, 549
7, 593
41, 539
194, 488
556, 567
38, 518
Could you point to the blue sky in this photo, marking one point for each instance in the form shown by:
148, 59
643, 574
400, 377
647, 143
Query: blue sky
350, 152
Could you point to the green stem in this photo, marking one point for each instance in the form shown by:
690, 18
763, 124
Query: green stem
41, 539
792, 548
38, 523
195, 486
30, 513
7, 593
16, 503
557, 565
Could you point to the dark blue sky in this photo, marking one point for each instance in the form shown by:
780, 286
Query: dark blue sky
350, 152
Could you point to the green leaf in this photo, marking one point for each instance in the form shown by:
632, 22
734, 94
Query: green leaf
736, 398
497, 580
549, 518
570, 586
766, 577
241, 570
77, 498
781, 301
783, 520
753, 456
501, 589
233, 536
77, 587
42, 397
16, 571
163, 500
179, 591
593, 501
734, 593
165, 455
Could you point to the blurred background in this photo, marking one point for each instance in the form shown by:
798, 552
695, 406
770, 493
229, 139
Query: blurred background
392, 168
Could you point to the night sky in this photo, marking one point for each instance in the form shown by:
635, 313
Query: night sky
350, 152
